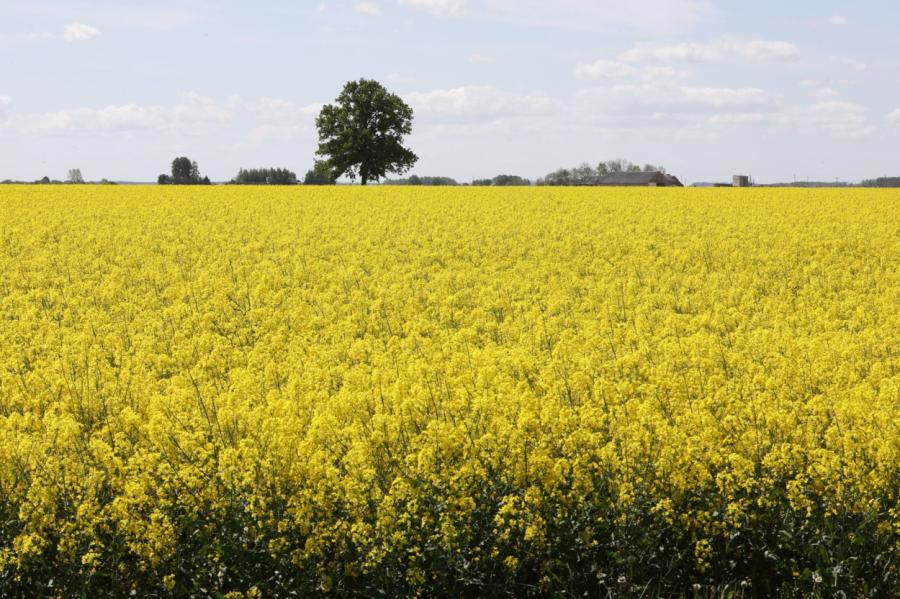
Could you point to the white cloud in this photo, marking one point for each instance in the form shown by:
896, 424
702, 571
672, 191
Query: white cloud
894, 117
844, 120
648, 98
73, 32
264, 120
636, 102
441, 8
751, 118
483, 111
614, 69
479, 101
725, 97
368, 8
188, 116
282, 120
278, 110
5, 101
605, 69
714, 51
79, 32
838, 20
658, 16
663, 74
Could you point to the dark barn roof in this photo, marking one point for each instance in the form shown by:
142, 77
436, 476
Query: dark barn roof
647, 179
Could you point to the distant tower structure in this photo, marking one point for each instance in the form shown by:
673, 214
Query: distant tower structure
740, 181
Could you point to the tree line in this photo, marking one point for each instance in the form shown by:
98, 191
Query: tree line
591, 175
498, 181
892, 182
265, 176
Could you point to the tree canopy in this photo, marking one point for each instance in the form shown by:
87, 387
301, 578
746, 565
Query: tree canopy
502, 181
320, 174
361, 134
184, 172
265, 176
882, 182
429, 181
75, 176
589, 175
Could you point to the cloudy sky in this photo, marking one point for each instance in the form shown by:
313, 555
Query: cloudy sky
778, 90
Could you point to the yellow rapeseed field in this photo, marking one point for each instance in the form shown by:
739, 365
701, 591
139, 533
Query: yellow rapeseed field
247, 391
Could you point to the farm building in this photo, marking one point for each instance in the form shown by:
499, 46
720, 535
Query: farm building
640, 179
740, 181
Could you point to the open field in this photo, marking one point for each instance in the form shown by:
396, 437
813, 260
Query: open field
436, 391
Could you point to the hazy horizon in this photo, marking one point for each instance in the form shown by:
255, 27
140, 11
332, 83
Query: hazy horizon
707, 89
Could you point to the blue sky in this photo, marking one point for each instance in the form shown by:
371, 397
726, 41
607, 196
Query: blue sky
777, 90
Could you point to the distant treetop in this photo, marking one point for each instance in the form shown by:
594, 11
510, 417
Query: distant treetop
882, 182
184, 172
265, 176
320, 174
426, 181
502, 181
589, 175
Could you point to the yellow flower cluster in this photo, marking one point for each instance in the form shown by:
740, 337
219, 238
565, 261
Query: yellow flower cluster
399, 384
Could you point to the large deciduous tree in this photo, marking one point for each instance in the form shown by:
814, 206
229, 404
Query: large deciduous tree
361, 134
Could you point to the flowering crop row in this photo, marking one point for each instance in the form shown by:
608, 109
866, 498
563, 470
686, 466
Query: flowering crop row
448, 392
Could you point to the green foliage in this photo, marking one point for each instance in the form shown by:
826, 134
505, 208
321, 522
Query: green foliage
265, 176
320, 174
559, 177
882, 182
361, 135
425, 181
587, 175
509, 181
502, 181
592, 548
184, 172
